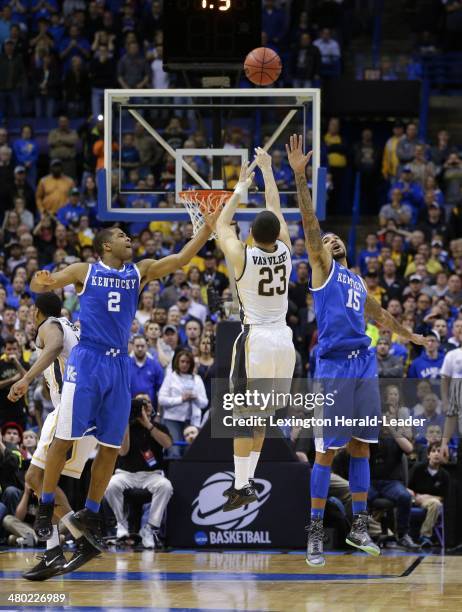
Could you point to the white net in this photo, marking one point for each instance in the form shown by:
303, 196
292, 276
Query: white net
203, 201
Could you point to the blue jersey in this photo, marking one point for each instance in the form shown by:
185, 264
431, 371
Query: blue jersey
339, 307
108, 304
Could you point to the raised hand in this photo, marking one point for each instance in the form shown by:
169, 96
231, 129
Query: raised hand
43, 277
211, 217
262, 159
245, 179
297, 159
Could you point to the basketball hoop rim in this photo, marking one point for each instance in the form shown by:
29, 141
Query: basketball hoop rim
203, 193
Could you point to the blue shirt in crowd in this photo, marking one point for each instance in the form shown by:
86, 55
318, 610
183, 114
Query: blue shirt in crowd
25, 151
146, 378
425, 367
70, 214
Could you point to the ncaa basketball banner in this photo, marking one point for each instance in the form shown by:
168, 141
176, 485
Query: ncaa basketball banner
276, 520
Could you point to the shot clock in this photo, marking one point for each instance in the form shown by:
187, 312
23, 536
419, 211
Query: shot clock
210, 32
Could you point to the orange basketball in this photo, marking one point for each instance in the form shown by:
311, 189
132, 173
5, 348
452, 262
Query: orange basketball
262, 66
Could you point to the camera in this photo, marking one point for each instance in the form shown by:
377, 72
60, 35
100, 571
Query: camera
136, 410
214, 300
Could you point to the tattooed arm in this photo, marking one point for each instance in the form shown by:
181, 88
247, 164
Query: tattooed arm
320, 258
375, 312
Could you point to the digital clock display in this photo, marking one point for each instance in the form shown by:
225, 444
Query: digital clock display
210, 31
221, 5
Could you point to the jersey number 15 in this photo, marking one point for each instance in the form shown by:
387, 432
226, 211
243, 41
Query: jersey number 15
353, 299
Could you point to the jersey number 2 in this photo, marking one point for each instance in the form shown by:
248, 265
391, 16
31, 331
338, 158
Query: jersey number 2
353, 299
113, 301
267, 279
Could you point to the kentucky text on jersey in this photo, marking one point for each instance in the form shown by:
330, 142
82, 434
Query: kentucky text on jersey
339, 306
117, 283
349, 280
269, 260
108, 303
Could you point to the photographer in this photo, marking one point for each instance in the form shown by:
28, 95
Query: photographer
140, 466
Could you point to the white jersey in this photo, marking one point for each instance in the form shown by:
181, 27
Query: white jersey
54, 374
263, 285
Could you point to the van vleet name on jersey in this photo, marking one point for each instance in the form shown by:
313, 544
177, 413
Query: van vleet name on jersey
114, 283
348, 280
269, 260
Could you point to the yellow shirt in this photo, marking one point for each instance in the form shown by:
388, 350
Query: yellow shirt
85, 238
432, 266
231, 175
390, 160
161, 226
373, 332
197, 262
377, 293
336, 160
53, 193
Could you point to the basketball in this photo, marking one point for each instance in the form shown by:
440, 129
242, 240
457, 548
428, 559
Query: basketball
262, 66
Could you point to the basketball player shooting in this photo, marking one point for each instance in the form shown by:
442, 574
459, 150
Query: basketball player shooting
264, 349
56, 337
96, 392
343, 361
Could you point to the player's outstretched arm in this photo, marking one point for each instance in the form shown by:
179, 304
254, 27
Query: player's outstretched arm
313, 241
52, 338
151, 269
44, 281
272, 199
230, 244
383, 318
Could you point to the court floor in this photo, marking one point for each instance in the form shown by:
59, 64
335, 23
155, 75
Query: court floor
251, 581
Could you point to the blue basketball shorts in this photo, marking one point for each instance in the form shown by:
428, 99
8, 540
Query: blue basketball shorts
354, 407
96, 397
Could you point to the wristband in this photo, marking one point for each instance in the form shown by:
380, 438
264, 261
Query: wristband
151, 428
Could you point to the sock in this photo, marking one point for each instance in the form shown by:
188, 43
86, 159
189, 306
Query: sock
254, 458
47, 498
90, 504
66, 521
54, 540
241, 471
360, 478
320, 480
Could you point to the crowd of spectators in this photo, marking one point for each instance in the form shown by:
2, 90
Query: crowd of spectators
59, 57
411, 261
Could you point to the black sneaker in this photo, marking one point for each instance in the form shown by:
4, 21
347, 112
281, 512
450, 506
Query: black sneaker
51, 564
91, 526
43, 526
408, 543
359, 536
227, 493
84, 552
240, 497
315, 544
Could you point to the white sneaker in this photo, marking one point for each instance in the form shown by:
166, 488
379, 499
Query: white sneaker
122, 530
147, 537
